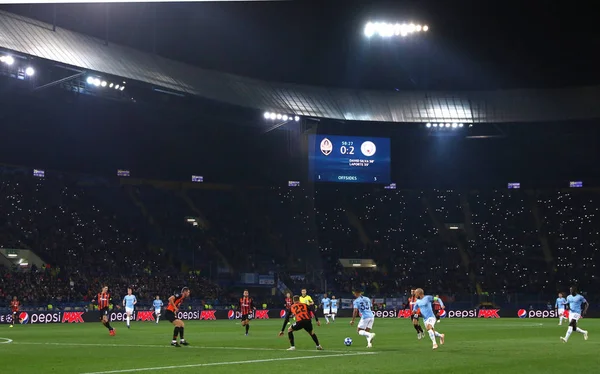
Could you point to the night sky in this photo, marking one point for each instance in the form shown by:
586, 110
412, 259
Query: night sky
471, 44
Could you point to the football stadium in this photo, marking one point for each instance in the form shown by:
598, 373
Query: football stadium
271, 186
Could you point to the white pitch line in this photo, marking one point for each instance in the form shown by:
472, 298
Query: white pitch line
5, 340
226, 363
167, 346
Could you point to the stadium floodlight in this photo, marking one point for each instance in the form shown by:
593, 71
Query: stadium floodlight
428, 125
454, 125
97, 82
29, 71
460, 125
267, 115
285, 117
273, 116
122, 88
90, 80
386, 30
103, 84
111, 85
117, 87
297, 119
448, 125
8, 60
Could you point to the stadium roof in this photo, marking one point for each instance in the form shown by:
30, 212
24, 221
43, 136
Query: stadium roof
37, 39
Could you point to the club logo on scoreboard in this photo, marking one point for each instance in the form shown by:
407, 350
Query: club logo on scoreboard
368, 148
326, 147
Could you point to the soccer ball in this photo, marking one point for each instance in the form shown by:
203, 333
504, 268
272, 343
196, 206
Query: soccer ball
348, 342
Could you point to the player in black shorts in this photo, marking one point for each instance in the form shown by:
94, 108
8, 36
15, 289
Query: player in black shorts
104, 300
303, 313
173, 307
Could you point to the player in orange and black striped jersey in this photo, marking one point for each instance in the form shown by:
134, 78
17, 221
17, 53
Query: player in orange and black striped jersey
171, 315
104, 300
412, 299
303, 313
288, 301
14, 308
246, 308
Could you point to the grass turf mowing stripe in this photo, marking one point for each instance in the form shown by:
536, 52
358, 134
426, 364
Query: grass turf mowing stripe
164, 346
227, 363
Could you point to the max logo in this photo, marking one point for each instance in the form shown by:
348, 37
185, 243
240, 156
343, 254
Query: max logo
208, 315
488, 313
72, 317
261, 314
145, 315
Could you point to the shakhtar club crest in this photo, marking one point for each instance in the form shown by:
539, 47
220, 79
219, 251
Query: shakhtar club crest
326, 147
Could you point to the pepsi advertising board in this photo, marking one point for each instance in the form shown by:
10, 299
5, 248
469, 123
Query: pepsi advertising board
349, 159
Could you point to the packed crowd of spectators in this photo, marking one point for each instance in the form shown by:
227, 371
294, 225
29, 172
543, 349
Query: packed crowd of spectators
90, 231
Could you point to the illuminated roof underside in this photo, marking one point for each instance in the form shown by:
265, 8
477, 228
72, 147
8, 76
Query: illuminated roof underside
27, 36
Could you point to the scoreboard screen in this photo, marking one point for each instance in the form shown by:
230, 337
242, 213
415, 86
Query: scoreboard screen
349, 159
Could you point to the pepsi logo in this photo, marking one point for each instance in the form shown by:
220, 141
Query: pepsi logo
231, 314
24, 317
522, 313
282, 313
443, 313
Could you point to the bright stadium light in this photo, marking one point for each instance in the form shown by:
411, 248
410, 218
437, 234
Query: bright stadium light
460, 125
29, 71
103, 84
8, 60
111, 85
122, 88
280, 116
97, 82
117, 87
90, 80
454, 125
386, 30
428, 125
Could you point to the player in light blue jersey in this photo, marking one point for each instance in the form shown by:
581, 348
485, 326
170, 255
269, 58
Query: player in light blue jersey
560, 307
424, 303
157, 304
334, 307
326, 306
129, 302
364, 306
575, 302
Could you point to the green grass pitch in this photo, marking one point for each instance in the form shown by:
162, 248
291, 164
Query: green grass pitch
472, 346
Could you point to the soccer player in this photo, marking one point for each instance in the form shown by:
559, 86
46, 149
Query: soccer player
302, 312
326, 306
414, 317
334, 307
575, 301
129, 302
157, 304
424, 304
171, 315
363, 306
103, 300
246, 307
288, 301
560, 307
14, 307
438, 306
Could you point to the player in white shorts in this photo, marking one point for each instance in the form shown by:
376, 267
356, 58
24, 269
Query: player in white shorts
157, 304
575, 302
363, 306
560, 307
334, 307
129, 302
424, 304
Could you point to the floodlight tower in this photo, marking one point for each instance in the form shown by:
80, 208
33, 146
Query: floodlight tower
388, 30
